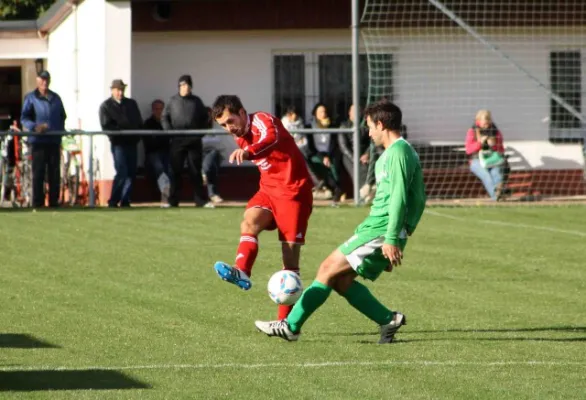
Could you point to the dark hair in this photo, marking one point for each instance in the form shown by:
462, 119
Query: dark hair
387, 113
226, 101
157, 101
292, 109
318, 105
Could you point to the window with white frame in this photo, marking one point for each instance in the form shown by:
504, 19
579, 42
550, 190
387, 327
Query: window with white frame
565, 72
306, 78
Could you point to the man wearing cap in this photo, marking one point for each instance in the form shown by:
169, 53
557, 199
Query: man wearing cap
43, 113
185, 111
121, 113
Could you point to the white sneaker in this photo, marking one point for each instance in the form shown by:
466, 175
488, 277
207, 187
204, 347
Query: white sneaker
277, 328
364, 191
216, 199
387, 332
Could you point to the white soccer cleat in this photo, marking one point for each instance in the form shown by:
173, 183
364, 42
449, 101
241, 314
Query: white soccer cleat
277, 328
387, 332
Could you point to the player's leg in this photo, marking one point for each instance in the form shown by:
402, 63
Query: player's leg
292, 218
256, 220
291, 253
257, 217
338, 271
312, 298
366, 259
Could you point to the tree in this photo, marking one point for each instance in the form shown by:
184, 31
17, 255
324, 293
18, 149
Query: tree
23, 9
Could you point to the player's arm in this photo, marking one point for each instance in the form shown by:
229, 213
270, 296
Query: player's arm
400, 173
263, 125
417, 201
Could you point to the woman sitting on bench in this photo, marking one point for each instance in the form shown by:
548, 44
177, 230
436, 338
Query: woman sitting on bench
484, 147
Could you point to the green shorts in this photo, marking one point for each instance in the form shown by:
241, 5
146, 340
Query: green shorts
365, 254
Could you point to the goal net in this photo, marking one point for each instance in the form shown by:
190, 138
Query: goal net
442, 61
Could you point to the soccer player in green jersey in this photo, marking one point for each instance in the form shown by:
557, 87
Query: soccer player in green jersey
378, 242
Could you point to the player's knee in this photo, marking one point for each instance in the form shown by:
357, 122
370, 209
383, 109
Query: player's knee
342, 284
327, 271
249, 226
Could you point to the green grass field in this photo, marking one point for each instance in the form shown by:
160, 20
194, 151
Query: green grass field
124, 304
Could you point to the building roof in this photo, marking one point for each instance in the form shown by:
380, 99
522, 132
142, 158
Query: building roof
55, 15
18, 26
515, 13
44, 24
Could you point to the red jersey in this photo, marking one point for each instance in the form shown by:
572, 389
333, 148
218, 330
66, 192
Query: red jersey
283, 171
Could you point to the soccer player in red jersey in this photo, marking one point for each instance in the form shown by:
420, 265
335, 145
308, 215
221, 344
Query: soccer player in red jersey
284, 200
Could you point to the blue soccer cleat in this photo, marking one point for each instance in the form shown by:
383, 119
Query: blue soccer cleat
233, 275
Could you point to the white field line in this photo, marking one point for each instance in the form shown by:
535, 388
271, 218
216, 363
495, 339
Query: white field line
325, 364
510, 224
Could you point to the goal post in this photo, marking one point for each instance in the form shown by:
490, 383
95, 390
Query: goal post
442, 61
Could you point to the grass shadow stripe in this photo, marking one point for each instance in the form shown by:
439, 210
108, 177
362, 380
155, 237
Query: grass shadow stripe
32, 380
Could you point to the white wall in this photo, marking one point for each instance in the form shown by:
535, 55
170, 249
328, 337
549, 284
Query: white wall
219, 62
443, 79
20, 48
89, 49
440, 80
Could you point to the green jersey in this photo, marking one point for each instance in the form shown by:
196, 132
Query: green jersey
400, 195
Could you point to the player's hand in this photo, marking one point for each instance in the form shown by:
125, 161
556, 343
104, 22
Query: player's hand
393, 253
327, 162
364, 158
239, 156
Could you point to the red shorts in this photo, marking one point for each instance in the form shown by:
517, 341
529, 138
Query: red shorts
290, 216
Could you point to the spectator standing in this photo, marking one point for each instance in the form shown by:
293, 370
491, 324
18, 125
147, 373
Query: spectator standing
156, 148
121, 113
43, 112
185, 111
346, 145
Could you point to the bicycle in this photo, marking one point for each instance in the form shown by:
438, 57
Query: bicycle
74, 179
71, 170
5, 171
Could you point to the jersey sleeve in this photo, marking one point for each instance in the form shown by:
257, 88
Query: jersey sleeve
264, 126
416, 201
401, 171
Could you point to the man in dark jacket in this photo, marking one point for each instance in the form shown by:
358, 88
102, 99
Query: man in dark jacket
346, 145
42, 112
121, 113
185, 111
156, 148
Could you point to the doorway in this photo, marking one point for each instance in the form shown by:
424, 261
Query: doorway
10, 96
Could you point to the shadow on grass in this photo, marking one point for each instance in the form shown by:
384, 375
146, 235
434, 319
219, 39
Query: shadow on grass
23, 341
97, 379
459, 339
568, 328
495, 339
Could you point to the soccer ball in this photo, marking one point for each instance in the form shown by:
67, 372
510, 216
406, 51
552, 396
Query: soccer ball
285, 287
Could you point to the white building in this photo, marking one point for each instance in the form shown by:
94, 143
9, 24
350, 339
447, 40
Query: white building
288, 54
